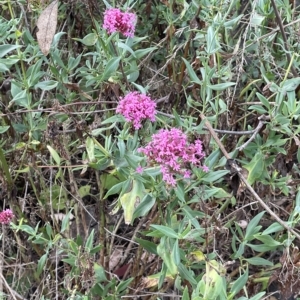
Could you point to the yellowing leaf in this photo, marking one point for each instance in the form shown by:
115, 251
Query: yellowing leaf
214, 280
165, 253
131, 199
199, 256
46, 25
152, 280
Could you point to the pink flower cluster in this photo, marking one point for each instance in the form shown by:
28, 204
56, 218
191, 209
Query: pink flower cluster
6, 216
117, 21
172, 151
136, 107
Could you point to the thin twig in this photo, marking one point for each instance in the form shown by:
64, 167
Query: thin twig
244, 132
261, 123
249, 187
13, 293
272, 32
285, 41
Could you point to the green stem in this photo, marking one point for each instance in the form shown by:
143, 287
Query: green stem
5, 168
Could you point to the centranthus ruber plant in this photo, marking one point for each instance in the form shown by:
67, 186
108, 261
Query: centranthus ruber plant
137, 107
6, 216
117, 21
171, 150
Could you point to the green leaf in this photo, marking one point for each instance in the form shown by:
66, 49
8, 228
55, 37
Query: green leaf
211, 41
221, 86
113, 119
259, 261
263, 100
152, 171
185, 295
258, 296
49, 230
74, 247
84, 190
90, 149
274, 227
3, 129
21, 99
149, 246
122, 147
186, 274
144, 207
215, 192
111, 68
123, 285
176, 253
96, 249
66, 221
164, 251
126, 48
116, 188
142, 52
54, 154
3, 68
191, 72
297, 202
255, 168
130, 199
90, 241
239, 283
41, 264
290, 85
256, 19
258, 108
70, 260
4, 49
139, 87
262, 248
167, 231
214, 176
251, 226
88, 40
187, 230
267, 240
180, 193
240, 251
99, 273
46, 85
232, 22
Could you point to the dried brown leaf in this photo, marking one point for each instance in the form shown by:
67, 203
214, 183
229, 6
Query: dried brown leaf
46, 25
115, 258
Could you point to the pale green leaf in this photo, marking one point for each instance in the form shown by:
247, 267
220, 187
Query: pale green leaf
54, 155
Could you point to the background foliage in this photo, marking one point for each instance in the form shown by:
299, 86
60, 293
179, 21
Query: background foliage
87, 225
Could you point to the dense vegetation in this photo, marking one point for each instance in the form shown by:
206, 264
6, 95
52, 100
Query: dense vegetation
149, 149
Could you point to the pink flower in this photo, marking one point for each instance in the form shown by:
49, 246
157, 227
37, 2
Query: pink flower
6, 216
171, 150
117, 21
139, 170
205, 168
136, 107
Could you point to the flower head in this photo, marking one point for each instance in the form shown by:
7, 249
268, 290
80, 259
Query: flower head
6, 216
117, 21
171, 150
136, 107
139, 169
